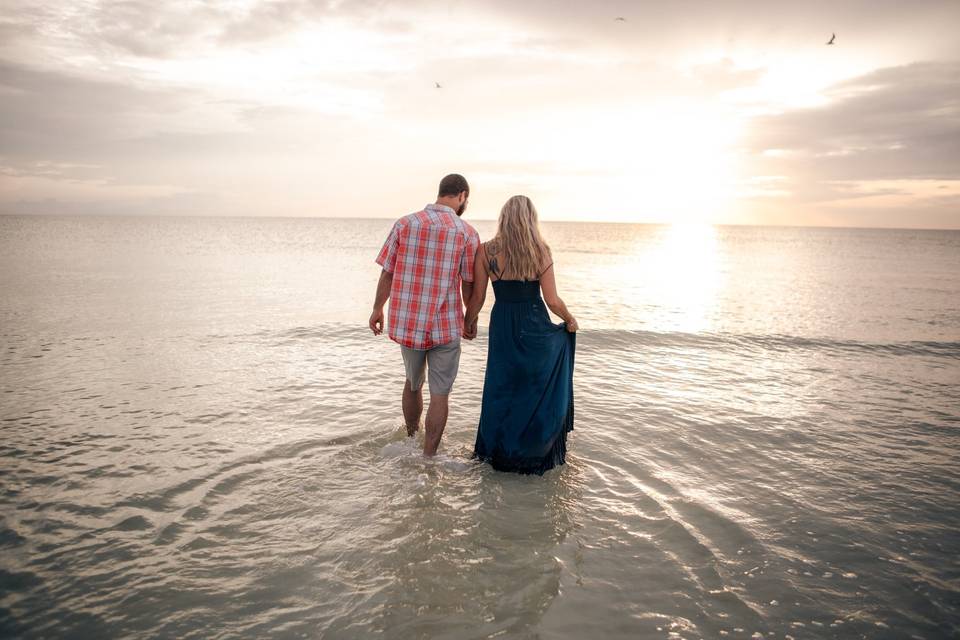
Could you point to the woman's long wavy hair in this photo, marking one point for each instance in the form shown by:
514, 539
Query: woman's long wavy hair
518, 239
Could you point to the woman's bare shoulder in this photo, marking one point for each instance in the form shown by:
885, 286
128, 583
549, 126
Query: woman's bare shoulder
546, 265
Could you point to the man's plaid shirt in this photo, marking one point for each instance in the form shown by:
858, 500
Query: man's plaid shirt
428, 253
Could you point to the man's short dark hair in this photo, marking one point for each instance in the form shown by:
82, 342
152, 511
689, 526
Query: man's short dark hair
453, 185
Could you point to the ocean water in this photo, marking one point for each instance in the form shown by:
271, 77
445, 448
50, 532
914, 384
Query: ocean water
201, 439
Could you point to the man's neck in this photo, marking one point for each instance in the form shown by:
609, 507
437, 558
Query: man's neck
449, 202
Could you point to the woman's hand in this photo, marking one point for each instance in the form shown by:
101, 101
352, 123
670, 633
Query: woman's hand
572, 325
470, 326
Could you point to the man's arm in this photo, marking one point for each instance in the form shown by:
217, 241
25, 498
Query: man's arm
468, 277
383, 292
479, 294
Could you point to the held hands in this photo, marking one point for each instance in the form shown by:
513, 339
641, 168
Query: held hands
376, 321
470, 327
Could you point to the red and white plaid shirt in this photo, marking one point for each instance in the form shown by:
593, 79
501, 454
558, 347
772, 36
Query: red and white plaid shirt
428, 253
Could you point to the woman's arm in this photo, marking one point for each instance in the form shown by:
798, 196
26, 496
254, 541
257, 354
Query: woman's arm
480, 277
548, 285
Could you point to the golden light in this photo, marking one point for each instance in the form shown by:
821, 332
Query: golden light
687, 273
666, 163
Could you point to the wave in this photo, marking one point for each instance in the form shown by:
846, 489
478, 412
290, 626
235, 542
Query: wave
620, 338
617, 339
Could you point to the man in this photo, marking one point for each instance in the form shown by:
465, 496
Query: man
427, 259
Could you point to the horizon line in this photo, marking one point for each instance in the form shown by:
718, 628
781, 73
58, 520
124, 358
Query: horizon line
368, 218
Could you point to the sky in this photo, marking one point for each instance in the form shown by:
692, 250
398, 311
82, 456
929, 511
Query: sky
703, 112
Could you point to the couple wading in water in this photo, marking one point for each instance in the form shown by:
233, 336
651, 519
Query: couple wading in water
434, 263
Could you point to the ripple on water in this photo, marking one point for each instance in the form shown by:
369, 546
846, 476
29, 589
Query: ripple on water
283, 496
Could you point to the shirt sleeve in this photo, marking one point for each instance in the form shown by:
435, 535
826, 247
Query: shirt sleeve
469, 255
388, 254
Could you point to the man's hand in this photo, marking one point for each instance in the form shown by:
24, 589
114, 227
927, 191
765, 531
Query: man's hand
470, 328
376, 321
383, 293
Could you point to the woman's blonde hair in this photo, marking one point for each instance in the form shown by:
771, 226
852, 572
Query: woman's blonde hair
518, 239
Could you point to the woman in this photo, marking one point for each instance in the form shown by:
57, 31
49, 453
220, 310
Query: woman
527, 406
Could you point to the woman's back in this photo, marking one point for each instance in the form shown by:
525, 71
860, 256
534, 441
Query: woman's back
527, 407
500, 269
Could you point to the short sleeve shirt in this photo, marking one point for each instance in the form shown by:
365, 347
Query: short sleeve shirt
429, 253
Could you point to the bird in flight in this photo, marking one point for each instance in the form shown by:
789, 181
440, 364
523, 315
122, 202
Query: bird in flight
832, 38
438, 85
619, 19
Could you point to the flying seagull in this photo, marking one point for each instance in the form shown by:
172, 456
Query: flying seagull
438, 85
832, 38
619, 19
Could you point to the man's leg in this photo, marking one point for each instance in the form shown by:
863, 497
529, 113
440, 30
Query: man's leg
444, 362
412, 408
415, 365
436, 423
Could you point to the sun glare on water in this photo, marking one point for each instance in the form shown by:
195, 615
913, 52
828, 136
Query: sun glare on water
685, 270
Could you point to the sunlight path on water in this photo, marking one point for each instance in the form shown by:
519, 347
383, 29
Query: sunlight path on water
202, 445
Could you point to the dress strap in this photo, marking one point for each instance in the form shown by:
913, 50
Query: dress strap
545, 270
494, 270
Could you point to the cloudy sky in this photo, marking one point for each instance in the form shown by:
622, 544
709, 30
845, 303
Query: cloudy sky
729, 112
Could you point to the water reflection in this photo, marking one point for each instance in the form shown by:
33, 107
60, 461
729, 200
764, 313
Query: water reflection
521, 524
684, 273
465, 547
196, 465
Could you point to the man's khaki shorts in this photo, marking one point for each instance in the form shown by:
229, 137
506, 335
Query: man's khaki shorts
443, 361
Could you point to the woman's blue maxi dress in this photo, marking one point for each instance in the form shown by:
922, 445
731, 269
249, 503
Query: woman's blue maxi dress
527, 406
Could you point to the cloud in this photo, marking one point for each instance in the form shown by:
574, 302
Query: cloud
46, 115
266, 20
725, 75
892, 124
152, 29
71, 144
164, 30
290, 103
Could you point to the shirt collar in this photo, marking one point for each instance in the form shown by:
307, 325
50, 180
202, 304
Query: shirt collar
439, 208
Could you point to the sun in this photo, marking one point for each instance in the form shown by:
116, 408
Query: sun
643, 163
683, 163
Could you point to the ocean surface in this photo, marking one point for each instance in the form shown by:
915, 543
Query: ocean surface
201, 439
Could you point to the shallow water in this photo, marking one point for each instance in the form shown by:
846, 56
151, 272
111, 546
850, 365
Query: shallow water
201, 439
